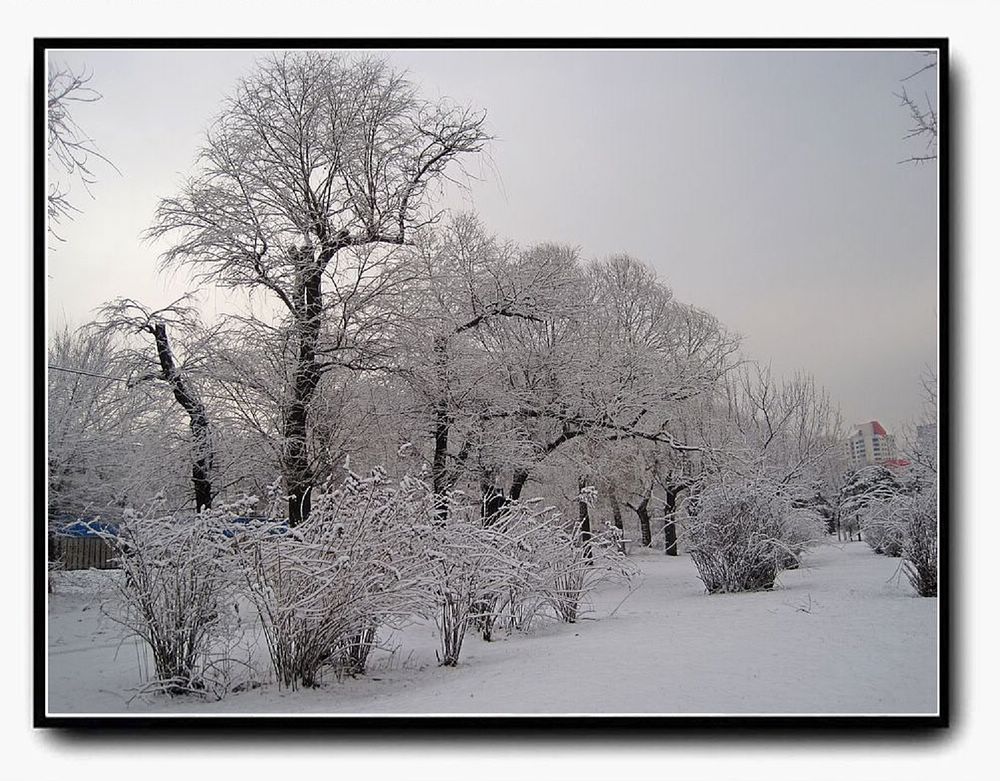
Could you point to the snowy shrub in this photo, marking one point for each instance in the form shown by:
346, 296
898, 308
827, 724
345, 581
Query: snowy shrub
324, 588
920, 546
558, 568
578, 568
469, 565
524, 563
884, 525
355, 652
801, 528
173, 584
54, 567
744, 534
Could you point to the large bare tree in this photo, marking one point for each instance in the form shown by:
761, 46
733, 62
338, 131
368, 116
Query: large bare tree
316, 166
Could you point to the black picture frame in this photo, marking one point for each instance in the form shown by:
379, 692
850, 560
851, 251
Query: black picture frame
522, 727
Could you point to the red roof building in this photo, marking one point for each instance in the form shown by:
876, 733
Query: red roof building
872, 444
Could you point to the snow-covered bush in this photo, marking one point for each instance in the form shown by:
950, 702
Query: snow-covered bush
524, 563
884, 524
577, 568
470, 565
920, 546
357, 649
905, 524
172, 590
802, 528
324, 588
743, 534
558, 567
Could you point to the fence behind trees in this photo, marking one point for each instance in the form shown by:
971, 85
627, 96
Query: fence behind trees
81, 552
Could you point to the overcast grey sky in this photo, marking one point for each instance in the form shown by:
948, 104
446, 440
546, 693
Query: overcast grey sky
762, 186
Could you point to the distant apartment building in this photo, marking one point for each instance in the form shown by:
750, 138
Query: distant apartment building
871, 444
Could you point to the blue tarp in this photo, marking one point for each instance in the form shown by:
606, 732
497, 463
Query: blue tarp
86, 528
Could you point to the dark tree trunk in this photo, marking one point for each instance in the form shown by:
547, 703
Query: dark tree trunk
669, 527
442, 428
517, 484
440, 464
493, 500
670, 538
298, 475
616, 514
645, 531
585, 532
309, 320
202, 453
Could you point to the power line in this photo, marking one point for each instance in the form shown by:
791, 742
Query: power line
87, 374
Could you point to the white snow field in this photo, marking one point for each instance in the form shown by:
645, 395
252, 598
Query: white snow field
844, 634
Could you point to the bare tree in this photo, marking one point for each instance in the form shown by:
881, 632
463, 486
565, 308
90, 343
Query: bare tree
470, 286
127, 316
614, 364
786, 431
70, 149
314, 167
920, 438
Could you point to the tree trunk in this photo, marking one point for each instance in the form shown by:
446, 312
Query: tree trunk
298, 475
642, 510
585, 533
442, 428
202, 453
309, 319
521, 475
517, 484
493, 500
669, 527
616, 513
670, 538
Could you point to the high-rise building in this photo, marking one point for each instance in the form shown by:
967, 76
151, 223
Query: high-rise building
870, 444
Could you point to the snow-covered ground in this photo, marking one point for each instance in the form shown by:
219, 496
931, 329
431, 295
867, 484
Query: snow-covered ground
842, 634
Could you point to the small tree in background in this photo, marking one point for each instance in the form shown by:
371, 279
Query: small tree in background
814, 500
868, 485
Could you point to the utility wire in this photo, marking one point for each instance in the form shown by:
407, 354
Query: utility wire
87, 374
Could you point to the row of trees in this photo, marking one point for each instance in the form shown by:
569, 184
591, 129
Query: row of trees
380, 330
509, 373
